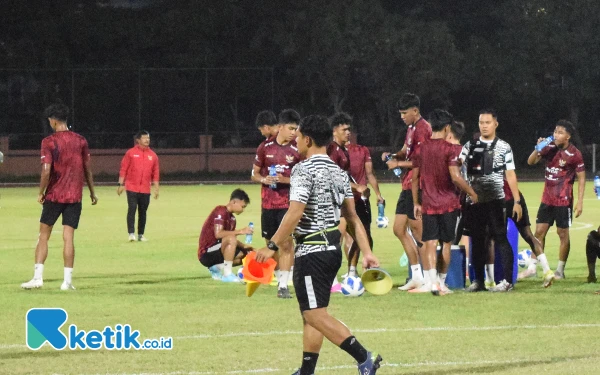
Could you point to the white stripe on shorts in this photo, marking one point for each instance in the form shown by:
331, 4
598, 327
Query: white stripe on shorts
310, 292
214, 248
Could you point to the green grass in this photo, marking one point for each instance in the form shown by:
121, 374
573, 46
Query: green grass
161, 290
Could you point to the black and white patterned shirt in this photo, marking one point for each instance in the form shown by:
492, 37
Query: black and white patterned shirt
491, 187
322, 186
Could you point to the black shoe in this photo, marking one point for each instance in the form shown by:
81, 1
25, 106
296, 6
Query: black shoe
592, 279
284, 293
475, 287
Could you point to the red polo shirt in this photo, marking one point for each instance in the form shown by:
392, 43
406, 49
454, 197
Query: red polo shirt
139, 168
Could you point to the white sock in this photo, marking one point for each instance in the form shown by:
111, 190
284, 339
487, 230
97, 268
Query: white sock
426, 279
489, 268
442, 277
544, 262
283, 278
277, 275
227, 268
352, 271
417, 275
68, 275
561, 266
433, 275
38, 271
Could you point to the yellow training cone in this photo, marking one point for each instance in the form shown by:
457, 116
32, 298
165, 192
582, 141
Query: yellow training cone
251, 287
377, 281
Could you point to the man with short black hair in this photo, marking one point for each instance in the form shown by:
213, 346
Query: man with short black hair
139, 170
320, 195
266, 122
218, 248
563, 164
489, 160
65, 165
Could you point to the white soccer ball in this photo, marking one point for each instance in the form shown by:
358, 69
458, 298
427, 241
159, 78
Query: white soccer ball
352, 286
382, 222
240, 274
524, 258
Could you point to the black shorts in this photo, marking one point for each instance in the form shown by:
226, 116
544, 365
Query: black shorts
313, 275
363, 210
405, 205
524, 222
214, 255
70, 213
440, 227
270, 220
549, 214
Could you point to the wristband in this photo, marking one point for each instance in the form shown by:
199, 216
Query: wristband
272, 246
518, 202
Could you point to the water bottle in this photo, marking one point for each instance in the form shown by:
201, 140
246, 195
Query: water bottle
404, 260
397, 171
273, 173
249, 236
381, 209
544, 143
597, 186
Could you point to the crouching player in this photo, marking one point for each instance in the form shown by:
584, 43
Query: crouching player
219, 248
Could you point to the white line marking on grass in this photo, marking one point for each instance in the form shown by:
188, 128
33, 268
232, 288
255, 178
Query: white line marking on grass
12, 346
379, 330
342, 367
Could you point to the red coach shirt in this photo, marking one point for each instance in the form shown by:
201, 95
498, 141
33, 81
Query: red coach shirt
283, 157
561, 169
218, 216
438, 190
415, 136
67, 152
339, 155
139, 168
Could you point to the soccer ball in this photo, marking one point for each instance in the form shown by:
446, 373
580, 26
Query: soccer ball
240, 274
352, 287
525, 258
382, 222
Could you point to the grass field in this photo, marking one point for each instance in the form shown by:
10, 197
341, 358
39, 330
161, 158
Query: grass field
160, 289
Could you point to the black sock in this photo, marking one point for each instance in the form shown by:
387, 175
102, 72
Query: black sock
309, 362
355, 349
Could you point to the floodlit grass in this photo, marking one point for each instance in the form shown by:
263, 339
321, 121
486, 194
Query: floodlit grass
160, 289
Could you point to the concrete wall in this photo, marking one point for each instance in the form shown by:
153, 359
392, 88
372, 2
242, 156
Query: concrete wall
204, 158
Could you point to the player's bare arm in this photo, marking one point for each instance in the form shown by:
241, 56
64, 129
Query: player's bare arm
89, 179
418, 209
461, 183
357, 231
580, 193
511, 178
286, 228
220, 233
156, 188
373, 181
44, 180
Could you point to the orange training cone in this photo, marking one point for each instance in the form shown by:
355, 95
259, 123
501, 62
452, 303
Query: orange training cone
259, 272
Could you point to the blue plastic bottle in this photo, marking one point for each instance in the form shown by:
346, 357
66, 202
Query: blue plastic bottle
381, 210
273, 173
544, 143
597, 186
249, 236
397, 171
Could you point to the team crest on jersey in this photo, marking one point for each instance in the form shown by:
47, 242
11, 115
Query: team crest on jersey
562, 163
289, 159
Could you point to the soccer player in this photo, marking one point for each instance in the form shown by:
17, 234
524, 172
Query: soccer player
281, 153
65, 164
436, 173
139, 170
320, 194
418, 132
218, 248
563, 163
489, 160
361, 171
266, 122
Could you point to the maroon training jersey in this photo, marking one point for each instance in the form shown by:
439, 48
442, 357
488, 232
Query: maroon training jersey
339, 155
283, 157
218, 216
359, 155
67, 152
507, 192
562, 165
415, 135
438, 191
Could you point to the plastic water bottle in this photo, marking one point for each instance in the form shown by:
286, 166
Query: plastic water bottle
597, 186
397, 171
404, 260
249, 236
544, 143
273, 173
381, 209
